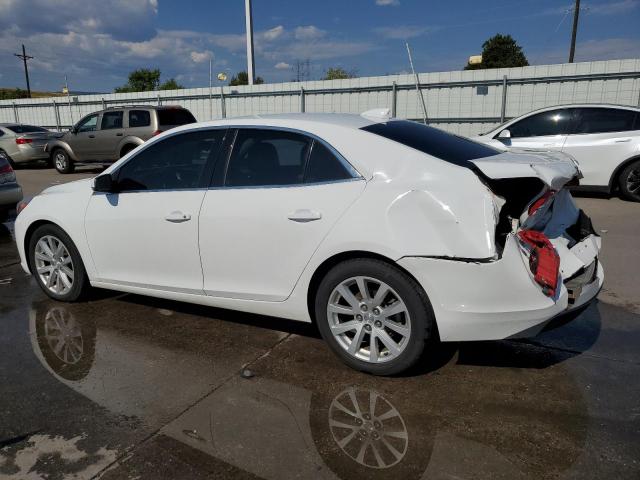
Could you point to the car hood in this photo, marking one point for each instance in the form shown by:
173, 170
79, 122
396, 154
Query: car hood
70, 187
554, 168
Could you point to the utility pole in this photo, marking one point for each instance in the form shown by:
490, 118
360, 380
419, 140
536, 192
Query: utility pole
418, 91
249, 22
574, 32
24, 58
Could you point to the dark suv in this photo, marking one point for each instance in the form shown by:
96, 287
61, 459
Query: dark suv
105, 136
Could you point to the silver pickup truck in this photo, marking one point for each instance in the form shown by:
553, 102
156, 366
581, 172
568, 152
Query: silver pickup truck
105, 136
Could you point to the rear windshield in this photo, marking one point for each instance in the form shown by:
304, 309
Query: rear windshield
26, 129
435, 142
175, 116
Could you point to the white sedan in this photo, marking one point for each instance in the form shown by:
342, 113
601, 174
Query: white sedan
604, 140
386, 233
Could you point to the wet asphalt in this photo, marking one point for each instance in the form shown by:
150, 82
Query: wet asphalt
124, 386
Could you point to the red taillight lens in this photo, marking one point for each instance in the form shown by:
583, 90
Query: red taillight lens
544, 261
21, 206
6, 168
541, 201
157, 132
22, 141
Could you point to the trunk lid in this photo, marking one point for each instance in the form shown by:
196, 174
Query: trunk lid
555, 169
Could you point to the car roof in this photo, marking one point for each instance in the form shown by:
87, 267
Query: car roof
346, 120
581, 105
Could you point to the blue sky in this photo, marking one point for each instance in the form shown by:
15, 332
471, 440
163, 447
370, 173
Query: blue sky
97, 42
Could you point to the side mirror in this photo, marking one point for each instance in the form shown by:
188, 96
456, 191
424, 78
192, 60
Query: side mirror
104, 183
504, 134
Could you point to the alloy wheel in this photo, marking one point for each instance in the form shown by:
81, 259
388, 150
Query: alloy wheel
61, 161
63, 335
368, 428
633, 181
54, 265
368, 319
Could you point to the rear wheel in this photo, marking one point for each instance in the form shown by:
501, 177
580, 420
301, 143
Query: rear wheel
62, 162
374, 316
4, 155
126, 149
629, 181
56, 264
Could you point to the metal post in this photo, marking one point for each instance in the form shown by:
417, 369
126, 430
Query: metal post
223, 106
504, 99
302, 105
15, 113
210, 88
251, 66
394, 99
418, 91
159, 101
57, 115
104, 104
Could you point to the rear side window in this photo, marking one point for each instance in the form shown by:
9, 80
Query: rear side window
111, 120
139, 118
177, 162
174, 116
324, 166
26, 129
603, 120
267, 158
554, 122
432, 141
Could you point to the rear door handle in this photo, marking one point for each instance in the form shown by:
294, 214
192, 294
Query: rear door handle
118, 134
92, 136
622, 140
177, 217
304, 215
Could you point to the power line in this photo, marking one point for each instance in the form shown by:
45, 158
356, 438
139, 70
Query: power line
24, 58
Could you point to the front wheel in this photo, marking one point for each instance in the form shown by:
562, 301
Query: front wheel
374, 316
629, 181
56, 264
62, 162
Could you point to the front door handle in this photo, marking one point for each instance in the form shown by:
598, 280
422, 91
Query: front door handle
304, 215
177, 217
118, 134
92, 136
623, 140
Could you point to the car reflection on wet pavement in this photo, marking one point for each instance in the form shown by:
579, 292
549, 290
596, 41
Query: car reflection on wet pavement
131, 387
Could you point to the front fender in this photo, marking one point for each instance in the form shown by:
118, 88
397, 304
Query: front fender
53, 144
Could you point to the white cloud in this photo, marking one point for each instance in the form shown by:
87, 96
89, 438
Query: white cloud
200, 57
273, 33
402, 32
309, 32
592, 50
384, 3
282, 66
612, 8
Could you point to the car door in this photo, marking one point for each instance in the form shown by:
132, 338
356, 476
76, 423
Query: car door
82, 139
146, 234
545, 130
268, 211
601, 140
108, 137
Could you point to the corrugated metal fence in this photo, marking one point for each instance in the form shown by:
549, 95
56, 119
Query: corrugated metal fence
464, 102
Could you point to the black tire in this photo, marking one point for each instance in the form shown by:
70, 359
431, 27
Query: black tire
61, 161
629, 181
80, 286
422, 319
126, 149
4, 215
5, 155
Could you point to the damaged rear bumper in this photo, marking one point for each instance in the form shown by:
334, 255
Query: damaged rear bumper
496, 299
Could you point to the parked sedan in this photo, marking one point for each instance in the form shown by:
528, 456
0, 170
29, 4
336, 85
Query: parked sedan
10, 191
24, 143
386, 233
604, 139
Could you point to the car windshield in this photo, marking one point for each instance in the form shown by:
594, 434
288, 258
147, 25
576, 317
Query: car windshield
175, 116
27, 129
433, 141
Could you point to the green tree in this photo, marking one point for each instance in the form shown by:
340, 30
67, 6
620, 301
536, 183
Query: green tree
338, 73
171, 84
242, 78
500, 51
10, 93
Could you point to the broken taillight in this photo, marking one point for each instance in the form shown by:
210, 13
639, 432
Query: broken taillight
544, 261
540, 201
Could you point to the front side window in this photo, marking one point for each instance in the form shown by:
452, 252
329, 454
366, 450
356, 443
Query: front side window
89, 124
554, 122
139, 118
603, 120
177, 162
111, 120
267, 158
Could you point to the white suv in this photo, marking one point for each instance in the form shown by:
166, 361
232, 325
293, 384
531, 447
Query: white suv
604, 140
